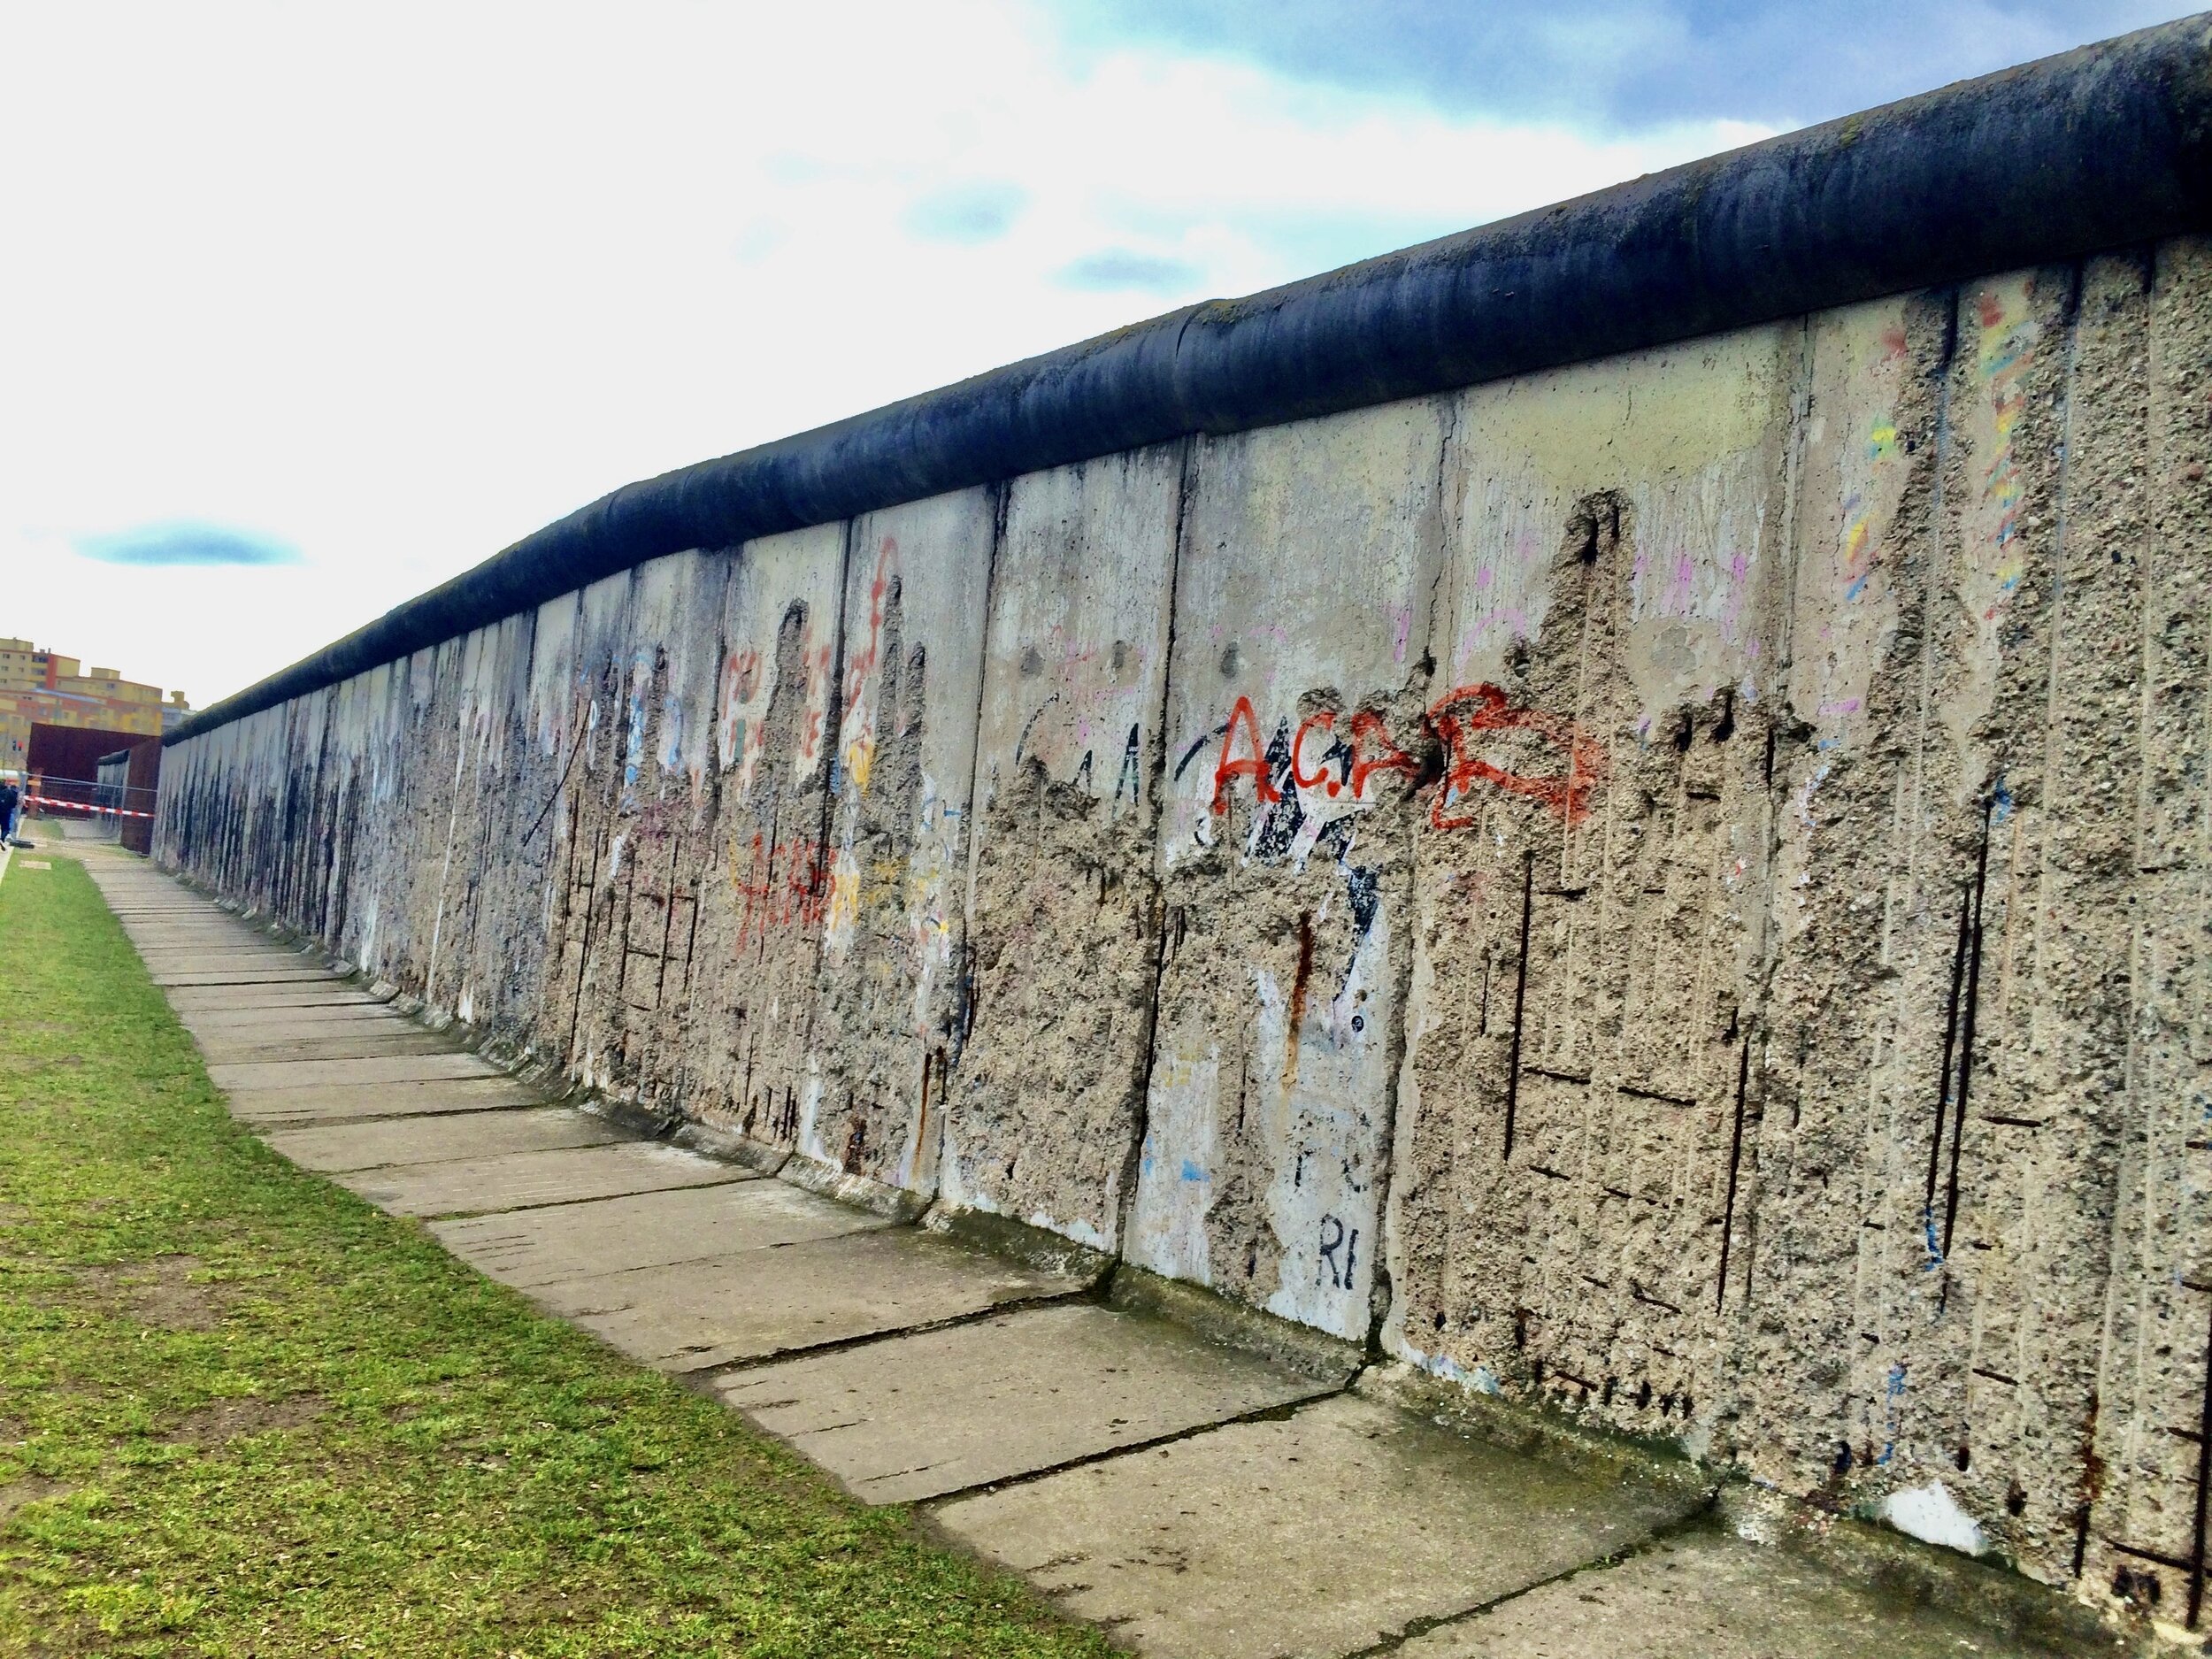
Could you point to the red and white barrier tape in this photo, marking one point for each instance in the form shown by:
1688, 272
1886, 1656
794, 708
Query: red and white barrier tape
81, 806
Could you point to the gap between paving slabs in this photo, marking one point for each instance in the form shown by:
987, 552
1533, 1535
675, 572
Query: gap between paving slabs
1196, 1479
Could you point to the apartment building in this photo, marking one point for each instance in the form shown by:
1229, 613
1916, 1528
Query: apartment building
43, 687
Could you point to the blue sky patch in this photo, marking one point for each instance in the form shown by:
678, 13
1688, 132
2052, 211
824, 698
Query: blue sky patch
1123, 270
183, 542
1617, 66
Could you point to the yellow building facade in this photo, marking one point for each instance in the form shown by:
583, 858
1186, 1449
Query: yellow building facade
43, 687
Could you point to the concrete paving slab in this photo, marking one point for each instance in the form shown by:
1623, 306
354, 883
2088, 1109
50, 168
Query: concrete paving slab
207, 931
758, 1304
1323, 1533
325, 991
197, 936
1711, 1597
358, 1042
226, 945
409, 1141
171, 951
516, 1181
240, 976
346, 1102
169, 946
531, 1248
314, 1019
397, 1068
917, 1417
210, 923
228, 958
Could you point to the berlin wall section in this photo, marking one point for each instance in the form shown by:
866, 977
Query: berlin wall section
763, 889
2137, 771
1294, 691
1592, 879
1671, 888
1046, 1104
889, 997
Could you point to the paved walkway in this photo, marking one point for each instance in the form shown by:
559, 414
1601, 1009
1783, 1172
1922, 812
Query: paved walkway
1194, 1498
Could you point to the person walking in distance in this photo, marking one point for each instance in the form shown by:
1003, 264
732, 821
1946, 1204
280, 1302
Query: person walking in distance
11, 803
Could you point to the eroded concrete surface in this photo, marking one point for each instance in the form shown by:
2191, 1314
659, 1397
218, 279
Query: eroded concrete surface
1669, 890
1196, 1498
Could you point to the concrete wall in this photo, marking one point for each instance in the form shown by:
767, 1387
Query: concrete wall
1674, 887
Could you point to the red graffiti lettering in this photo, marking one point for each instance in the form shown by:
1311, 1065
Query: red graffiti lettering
817, 674
1255, 768
1459, 716
863, 664
743, 676
1325, 721
787, 886
1367, 731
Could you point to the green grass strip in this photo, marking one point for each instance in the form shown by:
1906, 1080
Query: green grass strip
243, 1413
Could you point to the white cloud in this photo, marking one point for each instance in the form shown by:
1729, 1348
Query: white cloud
398, 285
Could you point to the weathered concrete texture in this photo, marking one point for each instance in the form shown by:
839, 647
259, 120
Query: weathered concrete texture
543, 1247
1592, 881
1042, 1120
1945, 1089
918, 1416
515, 1180
1323, 1533
1714, 834
635, 832
1294, 692
757, 1304
764, 892
1708, 1596
441, 1138
2137, 780
889, 1015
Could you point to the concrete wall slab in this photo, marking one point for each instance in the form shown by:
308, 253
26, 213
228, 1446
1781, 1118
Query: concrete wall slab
1042, 1119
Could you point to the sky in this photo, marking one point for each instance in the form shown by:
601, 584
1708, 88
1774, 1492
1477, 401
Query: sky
308, 308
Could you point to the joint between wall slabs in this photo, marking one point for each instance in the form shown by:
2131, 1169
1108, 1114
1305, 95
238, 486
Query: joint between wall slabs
1156, 776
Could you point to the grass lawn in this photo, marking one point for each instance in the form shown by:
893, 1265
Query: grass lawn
242, 1412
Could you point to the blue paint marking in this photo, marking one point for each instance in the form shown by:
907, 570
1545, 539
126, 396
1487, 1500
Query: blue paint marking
1192, 1172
